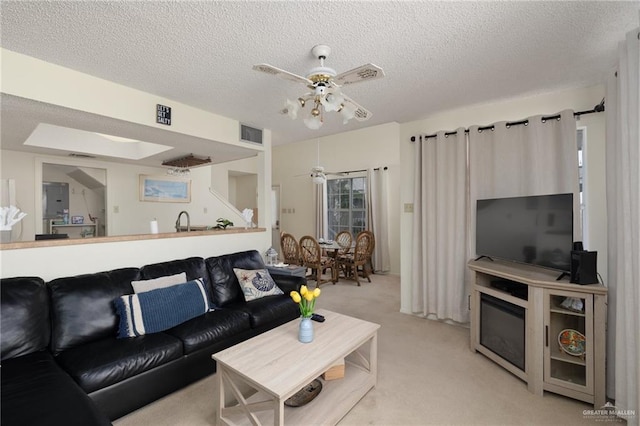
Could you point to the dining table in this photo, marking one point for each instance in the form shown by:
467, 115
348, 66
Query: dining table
332, 248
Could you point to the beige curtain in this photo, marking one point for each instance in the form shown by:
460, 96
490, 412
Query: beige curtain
623, 216
439, 225
518, 160
320, 197
378, 216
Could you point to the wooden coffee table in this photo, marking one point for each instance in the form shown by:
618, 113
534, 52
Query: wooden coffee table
276, 365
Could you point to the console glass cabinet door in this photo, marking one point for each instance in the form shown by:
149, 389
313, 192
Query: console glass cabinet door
569, 349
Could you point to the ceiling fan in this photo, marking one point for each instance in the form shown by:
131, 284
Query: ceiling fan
325, 94
318, 174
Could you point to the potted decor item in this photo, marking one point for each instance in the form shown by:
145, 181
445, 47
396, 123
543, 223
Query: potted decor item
222, 223
306, 299
9, 216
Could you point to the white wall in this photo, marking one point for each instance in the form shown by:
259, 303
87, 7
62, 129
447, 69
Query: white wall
246, 192
511, 110
42, 81
371, 147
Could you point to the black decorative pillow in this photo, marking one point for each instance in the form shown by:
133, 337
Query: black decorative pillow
256, 283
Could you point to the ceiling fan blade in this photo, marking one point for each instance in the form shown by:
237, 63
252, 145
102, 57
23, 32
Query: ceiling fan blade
270, 69
362, 73
361, 113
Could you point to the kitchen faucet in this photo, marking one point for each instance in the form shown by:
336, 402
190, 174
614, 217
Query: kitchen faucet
178, 221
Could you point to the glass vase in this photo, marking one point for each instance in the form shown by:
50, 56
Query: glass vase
305, 331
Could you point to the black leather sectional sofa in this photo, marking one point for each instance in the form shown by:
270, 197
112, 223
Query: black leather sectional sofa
63, 365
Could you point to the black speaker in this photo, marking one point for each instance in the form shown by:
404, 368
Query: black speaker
583, 267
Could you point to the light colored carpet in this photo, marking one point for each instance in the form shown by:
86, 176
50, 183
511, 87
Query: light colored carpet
426, 375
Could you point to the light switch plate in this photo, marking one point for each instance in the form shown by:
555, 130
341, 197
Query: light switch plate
408, 207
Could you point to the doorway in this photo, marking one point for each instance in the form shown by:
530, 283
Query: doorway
74, 195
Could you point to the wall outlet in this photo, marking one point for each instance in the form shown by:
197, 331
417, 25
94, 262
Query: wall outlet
408, 207
116, 209
205, 210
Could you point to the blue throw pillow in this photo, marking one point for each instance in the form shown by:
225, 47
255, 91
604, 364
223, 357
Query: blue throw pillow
161, 309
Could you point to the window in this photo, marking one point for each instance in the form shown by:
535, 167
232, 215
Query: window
346, 205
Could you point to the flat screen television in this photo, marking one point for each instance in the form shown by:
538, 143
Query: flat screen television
537, 230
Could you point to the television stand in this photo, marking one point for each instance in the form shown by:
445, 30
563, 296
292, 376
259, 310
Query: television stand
551, 363
484, 257
562, 275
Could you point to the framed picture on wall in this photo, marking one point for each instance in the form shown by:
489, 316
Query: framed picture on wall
165, 189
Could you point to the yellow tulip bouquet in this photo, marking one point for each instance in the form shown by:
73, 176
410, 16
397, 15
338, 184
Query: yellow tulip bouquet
306, 299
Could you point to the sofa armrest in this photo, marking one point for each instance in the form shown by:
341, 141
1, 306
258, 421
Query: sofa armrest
288, 283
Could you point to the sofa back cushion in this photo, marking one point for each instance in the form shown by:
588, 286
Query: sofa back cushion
82, 307
25, 316
224, 283
194, 267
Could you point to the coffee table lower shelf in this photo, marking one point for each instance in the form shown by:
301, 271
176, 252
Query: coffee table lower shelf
335, 400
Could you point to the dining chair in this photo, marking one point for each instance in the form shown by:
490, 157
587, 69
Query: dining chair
368, 265
290, 249
351, 262
344, 240
313, 259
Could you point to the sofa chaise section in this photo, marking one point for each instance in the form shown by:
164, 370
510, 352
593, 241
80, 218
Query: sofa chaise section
35, 389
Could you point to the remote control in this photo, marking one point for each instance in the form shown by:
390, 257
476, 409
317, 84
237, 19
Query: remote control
317, 317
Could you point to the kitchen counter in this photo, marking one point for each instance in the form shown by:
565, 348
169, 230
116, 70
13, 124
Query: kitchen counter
118, 238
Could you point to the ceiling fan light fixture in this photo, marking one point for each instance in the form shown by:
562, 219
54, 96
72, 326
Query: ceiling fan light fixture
314, 122
332, 101
348, 111
292, 108
319, 178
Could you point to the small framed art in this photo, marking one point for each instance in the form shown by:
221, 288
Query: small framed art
165, 189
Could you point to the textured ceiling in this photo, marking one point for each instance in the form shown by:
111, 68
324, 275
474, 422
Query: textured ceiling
436, 55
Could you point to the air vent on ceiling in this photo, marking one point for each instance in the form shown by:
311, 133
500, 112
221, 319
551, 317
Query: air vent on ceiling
76, 155
250, 134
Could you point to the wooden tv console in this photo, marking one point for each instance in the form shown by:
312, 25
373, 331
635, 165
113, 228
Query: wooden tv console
547, 366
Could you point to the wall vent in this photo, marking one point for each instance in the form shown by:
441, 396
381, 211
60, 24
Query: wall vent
250, 134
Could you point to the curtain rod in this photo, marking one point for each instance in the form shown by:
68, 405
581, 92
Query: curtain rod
597, 108
357, 171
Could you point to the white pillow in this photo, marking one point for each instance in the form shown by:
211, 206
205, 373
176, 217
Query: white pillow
160, 282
